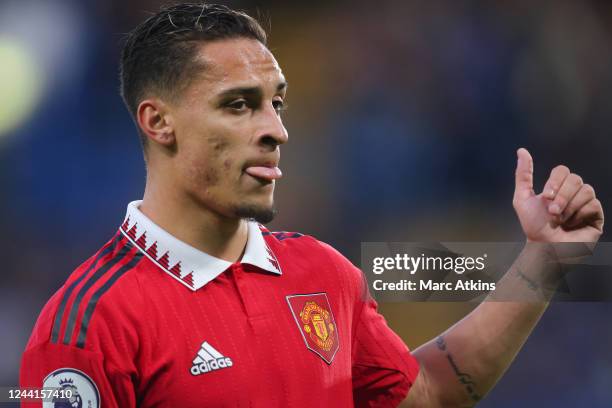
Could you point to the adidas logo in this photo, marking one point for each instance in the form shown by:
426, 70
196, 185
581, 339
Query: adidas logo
208, 359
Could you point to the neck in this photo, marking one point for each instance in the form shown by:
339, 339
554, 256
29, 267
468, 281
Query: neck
218, 236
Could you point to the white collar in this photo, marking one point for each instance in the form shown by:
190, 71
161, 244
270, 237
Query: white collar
190, 266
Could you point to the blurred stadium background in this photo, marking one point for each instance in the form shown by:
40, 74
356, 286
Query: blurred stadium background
404, 118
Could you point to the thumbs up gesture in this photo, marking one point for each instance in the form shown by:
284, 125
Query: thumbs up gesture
566, 210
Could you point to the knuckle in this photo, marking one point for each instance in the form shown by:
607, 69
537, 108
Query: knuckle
561, 169
589, 189
576, 179
561, 201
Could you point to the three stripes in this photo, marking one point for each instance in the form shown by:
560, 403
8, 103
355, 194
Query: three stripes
207, 353
100, 267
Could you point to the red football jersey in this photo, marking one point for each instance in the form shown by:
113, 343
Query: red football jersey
151, 321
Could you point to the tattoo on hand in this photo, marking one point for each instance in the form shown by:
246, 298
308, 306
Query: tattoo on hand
464, 378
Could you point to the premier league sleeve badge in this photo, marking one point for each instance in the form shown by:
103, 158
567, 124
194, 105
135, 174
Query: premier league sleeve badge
83, 392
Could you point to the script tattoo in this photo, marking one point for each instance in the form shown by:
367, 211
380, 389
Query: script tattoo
464, 378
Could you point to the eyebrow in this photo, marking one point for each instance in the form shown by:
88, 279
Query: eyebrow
250, 90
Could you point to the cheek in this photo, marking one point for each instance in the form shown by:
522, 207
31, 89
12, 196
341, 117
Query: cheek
200, 172
210, 176
218, 145
206, 166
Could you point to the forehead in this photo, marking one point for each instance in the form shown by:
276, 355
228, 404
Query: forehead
238, 62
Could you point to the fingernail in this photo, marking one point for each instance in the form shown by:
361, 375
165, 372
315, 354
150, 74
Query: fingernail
554, 208
551, 192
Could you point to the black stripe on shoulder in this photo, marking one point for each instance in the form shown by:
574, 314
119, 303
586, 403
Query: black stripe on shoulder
60, 311
91, 306
88, 284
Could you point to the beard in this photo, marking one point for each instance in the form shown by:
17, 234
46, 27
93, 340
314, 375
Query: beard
261, 214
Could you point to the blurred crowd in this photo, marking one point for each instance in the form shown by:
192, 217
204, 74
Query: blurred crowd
403, 119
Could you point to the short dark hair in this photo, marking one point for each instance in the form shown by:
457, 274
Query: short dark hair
159, 54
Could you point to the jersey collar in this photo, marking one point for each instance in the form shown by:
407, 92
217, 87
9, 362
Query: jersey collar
190, 266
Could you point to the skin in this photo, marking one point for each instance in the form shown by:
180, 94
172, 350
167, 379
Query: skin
202, 144
460, 366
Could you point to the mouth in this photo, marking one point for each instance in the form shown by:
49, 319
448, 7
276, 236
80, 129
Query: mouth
263, 171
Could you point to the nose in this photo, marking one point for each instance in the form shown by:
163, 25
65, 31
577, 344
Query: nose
272, 132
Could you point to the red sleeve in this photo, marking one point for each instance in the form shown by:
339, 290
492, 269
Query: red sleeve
82, 371
383, 368
94, 356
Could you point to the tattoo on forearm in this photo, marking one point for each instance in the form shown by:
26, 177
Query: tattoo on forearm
464, 378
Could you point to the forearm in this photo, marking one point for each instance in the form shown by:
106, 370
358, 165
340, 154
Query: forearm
460, 366
466, 361
463, 364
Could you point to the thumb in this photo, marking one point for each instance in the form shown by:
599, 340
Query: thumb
523, 187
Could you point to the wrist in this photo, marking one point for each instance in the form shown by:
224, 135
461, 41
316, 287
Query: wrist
540, 265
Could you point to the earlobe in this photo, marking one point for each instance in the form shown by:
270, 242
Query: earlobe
155, 121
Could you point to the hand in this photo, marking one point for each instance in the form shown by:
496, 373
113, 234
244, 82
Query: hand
565, 211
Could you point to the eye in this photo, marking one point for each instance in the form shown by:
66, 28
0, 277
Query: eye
238, 106
279, 105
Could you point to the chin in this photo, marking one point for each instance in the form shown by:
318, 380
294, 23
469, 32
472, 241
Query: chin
260, 213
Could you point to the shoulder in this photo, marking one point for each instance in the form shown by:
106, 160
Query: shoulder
98, 297
296, 246
292, 242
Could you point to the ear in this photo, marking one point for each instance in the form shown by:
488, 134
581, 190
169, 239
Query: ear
155, 121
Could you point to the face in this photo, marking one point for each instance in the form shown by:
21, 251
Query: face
228, 130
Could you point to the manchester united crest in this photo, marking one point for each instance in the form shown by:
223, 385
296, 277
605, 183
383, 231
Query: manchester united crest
315, 319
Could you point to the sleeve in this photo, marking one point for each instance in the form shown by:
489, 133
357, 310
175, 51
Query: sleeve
89, 350
383, 370
92, 382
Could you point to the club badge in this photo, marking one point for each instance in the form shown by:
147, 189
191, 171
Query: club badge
315, 320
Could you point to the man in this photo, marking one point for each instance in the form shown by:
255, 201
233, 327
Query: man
193, 303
